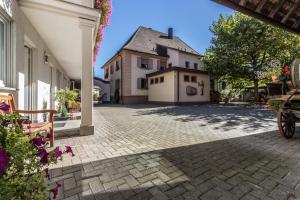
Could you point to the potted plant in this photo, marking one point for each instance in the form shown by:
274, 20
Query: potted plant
64, 96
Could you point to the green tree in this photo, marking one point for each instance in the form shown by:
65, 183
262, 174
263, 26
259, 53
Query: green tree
243, 46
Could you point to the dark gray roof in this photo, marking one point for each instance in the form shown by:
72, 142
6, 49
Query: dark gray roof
146, 40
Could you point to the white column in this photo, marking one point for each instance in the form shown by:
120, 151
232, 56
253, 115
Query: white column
87, 29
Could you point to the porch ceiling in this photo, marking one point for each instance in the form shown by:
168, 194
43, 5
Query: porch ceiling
58, 23
281, 13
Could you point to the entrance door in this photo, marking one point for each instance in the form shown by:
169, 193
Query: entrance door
28, 75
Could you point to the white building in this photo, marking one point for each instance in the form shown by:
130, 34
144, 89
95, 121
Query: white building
149, 56
44, 44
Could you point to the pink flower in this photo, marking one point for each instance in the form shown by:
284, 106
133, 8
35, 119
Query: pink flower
4, 107
4, 160
43, 154
38, 141
55, 190
69, 150
57, 152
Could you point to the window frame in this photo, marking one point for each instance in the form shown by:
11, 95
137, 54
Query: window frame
117, 65
151, 81
186, 78
187, 64
8, 65
196, 66
161, 79
194, 79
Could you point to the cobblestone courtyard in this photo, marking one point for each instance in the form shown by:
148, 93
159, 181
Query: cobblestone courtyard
191, 152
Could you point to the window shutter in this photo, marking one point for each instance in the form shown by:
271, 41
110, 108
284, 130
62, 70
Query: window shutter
158, 64
139, 83
150, 63
139, 62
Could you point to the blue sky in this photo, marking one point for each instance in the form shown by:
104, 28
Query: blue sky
189, 18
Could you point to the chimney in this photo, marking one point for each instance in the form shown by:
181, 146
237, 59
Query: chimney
170, 33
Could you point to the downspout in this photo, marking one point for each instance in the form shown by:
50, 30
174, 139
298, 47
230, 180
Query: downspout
178, 96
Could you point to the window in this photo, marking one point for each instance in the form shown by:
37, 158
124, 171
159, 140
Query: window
186, 78
156, 80
195, 65
106, 73
151, 81
117, 84
163, 65
194, 79
161, 79
170, 65
142, 83
145, 63
6, 68
187, 64
117, 65
111, 69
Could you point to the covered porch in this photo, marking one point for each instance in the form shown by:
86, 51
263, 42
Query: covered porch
68, 29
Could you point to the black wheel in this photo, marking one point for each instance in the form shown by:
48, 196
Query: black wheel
286, 124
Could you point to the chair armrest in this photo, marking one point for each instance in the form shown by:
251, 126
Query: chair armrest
36, 111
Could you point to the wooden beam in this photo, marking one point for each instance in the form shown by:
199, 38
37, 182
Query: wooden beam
243, 2
233, 5
261, 5
274, 11
291, 11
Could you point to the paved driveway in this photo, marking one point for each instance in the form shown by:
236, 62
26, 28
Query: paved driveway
189, 152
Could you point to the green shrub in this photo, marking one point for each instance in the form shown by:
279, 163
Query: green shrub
24, 161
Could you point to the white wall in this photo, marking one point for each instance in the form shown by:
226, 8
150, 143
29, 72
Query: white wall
163, 92
190, 58
139, 73
183, 97
174, 57
105, 89
178, 59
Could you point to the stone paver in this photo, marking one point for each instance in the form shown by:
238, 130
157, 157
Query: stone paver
189, 152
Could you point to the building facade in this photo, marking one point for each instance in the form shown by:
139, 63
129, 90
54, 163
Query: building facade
143, 55
44, 44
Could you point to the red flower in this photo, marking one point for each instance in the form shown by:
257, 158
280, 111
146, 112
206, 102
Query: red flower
286, 70
55, 190
43, 154
69, 150
57, 152
4, 160
38, 141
